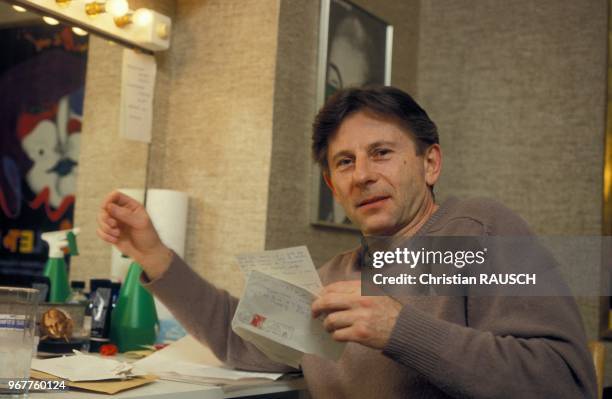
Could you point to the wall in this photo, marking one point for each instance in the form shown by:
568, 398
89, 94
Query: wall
517, 89
216, 142
107, 161
518, 92
290, 195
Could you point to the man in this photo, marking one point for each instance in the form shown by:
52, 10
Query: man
381, 158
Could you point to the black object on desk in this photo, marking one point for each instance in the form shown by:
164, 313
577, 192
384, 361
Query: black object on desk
100, 306
60, 346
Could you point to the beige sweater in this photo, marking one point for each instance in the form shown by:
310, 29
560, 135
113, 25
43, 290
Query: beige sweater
441, 347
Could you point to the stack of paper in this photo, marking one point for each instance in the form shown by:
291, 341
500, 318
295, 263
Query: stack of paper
189, 361
274, 312
82, 367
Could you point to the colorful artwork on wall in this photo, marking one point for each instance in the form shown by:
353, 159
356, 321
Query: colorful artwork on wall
42, 79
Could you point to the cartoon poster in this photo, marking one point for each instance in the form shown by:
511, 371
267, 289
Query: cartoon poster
42, 78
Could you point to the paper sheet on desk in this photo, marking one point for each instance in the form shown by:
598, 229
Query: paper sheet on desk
186, 349
274, 315
82, 367
201, 373
187, 360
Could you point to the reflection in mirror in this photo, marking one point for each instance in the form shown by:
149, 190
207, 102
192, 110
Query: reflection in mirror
42, 81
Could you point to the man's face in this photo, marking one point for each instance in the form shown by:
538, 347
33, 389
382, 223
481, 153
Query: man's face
375, 174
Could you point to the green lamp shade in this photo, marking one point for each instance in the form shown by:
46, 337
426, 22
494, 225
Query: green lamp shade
59, 289
134, 319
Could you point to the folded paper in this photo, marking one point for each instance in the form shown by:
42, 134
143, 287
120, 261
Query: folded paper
274, 313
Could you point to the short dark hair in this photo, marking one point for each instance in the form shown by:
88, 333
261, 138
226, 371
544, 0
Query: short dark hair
383, 101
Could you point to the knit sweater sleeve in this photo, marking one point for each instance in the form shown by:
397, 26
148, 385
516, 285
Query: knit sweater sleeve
509, 347
206, 312
514, 347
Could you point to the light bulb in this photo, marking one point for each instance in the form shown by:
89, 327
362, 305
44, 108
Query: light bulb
142, 17
117, 8
162, 31
50, 21
79, 31
19, 9
123, 21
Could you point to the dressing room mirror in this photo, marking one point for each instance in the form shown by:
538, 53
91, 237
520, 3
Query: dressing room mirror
48, 147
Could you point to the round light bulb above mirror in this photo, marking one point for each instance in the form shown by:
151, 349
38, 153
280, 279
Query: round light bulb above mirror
63, 3
94, 8
19, 9
78, 31
142, 17
117, 8
50, 21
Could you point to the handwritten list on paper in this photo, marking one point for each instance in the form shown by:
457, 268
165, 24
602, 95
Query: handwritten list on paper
137, 91
274, 312
293, 265
275, 316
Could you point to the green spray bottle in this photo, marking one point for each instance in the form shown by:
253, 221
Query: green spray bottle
55, 269
134, 320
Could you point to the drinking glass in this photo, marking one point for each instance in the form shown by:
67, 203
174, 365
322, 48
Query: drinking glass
18, 308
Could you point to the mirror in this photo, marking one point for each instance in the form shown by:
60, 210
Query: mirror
49, 154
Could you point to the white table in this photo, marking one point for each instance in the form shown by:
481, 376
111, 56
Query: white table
158, 389
162, 389
297, 385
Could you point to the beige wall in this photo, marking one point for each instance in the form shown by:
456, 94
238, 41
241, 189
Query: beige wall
216, 143
517, 89
518, 92
106, 160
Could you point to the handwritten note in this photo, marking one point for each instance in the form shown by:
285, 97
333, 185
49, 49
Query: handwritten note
137, 88
275, 316
293, 265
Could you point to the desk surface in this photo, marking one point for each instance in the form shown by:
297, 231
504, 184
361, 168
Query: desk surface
296, 384
162, 389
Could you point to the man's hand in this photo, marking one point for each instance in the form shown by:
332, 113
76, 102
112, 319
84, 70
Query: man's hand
367, 320
124, 222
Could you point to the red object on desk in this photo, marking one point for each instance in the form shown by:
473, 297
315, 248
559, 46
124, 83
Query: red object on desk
258, 320
108, 350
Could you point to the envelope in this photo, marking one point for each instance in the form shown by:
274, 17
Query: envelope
109, 386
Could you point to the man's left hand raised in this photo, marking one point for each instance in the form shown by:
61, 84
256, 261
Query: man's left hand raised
367, 320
